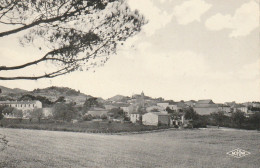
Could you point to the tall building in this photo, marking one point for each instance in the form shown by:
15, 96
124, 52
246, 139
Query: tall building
22, 105
142, 99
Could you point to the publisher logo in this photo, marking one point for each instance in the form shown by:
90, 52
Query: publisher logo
238, 153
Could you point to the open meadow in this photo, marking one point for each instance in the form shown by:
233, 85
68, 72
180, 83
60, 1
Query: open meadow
172, 148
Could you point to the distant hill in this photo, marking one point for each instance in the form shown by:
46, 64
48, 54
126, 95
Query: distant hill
6, 90
118, 98
52, 93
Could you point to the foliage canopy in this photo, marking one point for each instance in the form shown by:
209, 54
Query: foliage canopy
76, 34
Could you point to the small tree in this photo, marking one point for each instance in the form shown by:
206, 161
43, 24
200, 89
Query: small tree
238, 118
64, 112
218, 117
61, 99
255, 120
1, 111
87, 117
18, 114
90, 103
116, 113
8, 110
190, 114
103, 116
37, 113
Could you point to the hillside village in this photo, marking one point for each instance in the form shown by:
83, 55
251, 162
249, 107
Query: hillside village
65, 104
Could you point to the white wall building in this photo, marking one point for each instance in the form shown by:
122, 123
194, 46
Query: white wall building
156, 118
134, 117
241, 108
23, 105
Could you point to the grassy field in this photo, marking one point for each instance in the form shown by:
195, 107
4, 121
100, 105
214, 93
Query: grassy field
173, 148
84, 126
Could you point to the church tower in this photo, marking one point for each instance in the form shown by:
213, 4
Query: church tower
142, 99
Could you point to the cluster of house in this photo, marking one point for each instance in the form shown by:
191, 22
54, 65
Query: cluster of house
154, 112
141, 108
26, 107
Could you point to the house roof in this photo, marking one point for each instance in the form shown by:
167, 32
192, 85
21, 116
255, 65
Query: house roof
240, 105
206, 106
154, 107
207, 101
181, 104
19, 102
158, 113
223, 105
134, 113
190, 101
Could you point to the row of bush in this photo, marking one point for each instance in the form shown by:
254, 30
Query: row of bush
235, 120
91, 127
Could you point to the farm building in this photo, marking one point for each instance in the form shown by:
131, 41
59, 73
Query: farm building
156, 118
23, 105
224, 108
241, 107
97, 112
190, 103
206, 107
256, 104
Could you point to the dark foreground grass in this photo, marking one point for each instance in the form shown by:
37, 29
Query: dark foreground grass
169, 149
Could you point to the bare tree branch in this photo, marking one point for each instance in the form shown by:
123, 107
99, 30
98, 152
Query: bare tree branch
78, 33
50, 20
49, 75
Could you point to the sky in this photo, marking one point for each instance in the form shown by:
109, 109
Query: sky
192, 49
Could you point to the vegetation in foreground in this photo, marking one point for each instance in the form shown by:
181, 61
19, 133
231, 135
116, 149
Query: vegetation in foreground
70, 117
174, 149
83, 126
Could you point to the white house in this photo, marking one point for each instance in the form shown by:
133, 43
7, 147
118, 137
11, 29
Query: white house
156, 118
224, 108
134, 117
256, 104
241, 108
23, 105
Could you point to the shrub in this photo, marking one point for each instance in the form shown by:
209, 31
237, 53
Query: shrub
65, 112
103, 117
238, 118
87, 117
